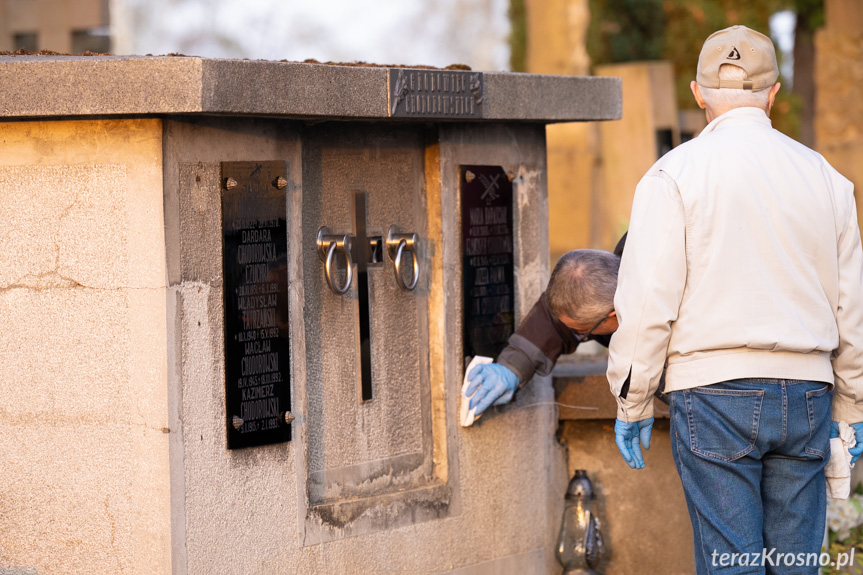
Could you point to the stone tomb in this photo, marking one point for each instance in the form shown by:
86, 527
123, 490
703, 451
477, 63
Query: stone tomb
236, 298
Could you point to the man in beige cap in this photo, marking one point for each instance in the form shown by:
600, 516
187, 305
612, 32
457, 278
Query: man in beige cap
743, 278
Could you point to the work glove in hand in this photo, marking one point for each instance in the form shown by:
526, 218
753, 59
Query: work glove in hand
493, 384
629, 438
857, 450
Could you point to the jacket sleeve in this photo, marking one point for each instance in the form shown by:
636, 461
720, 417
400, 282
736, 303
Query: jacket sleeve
650, 287
536, 345
848, 357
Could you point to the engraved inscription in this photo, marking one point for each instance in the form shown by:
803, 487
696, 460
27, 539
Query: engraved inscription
435, 93
256, 305
487, 252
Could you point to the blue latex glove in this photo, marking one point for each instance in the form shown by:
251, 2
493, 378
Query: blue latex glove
493, 384
629, 437
857, 450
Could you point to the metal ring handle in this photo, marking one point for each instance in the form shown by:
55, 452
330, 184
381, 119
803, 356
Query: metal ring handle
328, 270
327, 245
396, 245
397, 261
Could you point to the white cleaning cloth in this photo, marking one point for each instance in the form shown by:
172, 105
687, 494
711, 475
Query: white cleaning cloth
838, 469
466, 415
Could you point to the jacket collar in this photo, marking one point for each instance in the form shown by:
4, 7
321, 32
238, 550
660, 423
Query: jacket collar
737, 116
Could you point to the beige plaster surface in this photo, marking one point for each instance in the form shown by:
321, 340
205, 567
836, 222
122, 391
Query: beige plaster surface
83, 414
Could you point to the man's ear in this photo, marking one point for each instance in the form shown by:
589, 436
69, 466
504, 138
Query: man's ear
612, 314
696, 91
771, 98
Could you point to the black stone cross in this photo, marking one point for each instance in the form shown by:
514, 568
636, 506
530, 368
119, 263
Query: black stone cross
366, 251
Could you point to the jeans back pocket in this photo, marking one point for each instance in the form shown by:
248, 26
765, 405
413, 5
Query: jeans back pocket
723, 423
818, 402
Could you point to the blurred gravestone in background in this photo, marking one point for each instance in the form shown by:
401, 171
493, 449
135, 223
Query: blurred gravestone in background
839, 112
55, 25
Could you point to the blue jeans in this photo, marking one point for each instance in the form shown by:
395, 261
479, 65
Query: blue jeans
751, 456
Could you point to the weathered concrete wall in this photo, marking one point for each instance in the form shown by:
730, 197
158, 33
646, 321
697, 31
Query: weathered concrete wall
512, 470
83, 412
232, 511
391, 432
488, 500
645, 523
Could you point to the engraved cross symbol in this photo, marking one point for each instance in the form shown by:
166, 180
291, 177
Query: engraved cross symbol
365, 251
491, 186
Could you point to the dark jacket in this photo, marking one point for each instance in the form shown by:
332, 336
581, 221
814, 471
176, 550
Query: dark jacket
541, 339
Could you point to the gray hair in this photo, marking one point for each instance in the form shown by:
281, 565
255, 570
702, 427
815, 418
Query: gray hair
728, 98
582, 285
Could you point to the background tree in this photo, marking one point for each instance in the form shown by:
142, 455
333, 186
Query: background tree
810, 17
674, 30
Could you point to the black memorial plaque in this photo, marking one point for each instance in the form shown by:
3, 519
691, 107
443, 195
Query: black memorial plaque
255, 265
487, 256
440, 94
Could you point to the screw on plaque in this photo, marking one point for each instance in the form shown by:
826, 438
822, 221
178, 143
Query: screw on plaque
469, 176
237, 423
280, 183
230, 183
289, 417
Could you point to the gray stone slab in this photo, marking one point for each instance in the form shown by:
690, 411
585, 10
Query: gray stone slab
39, 86
46, 86
293, 89
546, 98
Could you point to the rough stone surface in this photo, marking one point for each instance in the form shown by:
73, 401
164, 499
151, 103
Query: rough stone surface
288, 89
39, 86
505, 451
541, 98
387, 164
232, 511
114, 377
83, 414
494, 498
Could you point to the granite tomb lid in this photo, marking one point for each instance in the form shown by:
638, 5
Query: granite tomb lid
37, 86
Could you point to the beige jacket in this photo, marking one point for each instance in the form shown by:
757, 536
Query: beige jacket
743, 261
